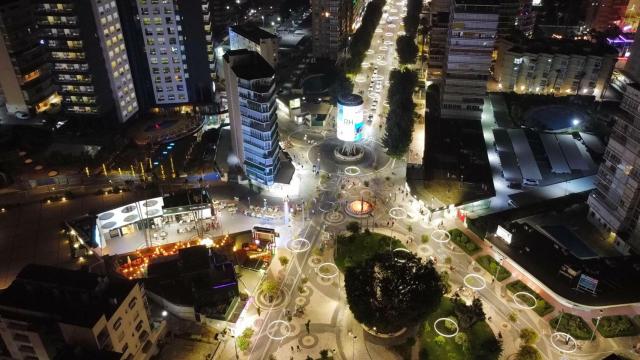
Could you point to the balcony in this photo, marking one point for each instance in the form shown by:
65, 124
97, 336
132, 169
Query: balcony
258, 86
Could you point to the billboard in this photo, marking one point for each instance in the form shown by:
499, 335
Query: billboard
350, 119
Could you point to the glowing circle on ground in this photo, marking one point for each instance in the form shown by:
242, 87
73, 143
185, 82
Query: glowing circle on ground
482, 283
401, 252
360, 207
278, 330
435, 327
352, 170
398, 213
522, 304
298, 245
331, 270
570, 343
440, 236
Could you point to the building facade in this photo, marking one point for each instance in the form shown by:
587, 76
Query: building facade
330, 27
561, 67
633, 62
90, 64
46, 307
26, 78
438, 17
601, 14
181, 71
614, 206
470, 40
251, 97
255, 39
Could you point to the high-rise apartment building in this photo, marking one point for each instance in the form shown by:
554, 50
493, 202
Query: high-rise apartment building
470, 40
26, 79
251, 94
561, 67
632, 66
330, 27
181, 71
438, 17
46, 308
601, 14
253, 38
614, 206
90, 63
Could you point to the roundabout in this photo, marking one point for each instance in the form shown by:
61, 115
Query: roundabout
449, 321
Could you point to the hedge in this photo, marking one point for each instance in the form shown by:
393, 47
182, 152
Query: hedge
491, 265
467, 245
542, 307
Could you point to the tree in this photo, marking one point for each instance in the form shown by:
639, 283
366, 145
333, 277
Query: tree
467, 314
463, 340
284, 261
389, 295
528, 336
513, 316
270, 288
244, 340
399, 124
528, 352
407, 49
353, 227
324, 354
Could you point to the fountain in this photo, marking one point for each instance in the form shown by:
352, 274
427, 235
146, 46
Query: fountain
359, 208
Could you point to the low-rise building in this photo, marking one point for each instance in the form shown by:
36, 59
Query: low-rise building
47, 308
559, 66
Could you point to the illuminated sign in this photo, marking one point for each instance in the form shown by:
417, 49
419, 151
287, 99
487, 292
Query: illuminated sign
503, 234
294, 103
350, 122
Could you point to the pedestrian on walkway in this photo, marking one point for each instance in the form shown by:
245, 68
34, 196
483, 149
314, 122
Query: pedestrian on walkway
306, 325
258, 309
298, 347
292, 348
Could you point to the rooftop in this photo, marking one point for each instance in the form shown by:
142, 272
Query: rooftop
69, 296
559, 46
252, 32
248, 65
186, 198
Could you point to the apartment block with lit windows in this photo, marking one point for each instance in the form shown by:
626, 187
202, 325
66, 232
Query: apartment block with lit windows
330, 27
471, 35
251, 92
90, 63
181, 71
47, 309
26, 78
554, 66
614, 206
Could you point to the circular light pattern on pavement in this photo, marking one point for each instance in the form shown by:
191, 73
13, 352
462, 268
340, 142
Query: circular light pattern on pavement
278, 330
522, 304
566, 344
435, 327
331, 270
440, 236
398, 213
388, 34
378, 30
399, 253
388, 42
352, 170
298, 245
469, 280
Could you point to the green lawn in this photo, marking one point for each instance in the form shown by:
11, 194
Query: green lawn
433, 346
467, 245
356, 248
491, 265
573, 325
616, 326
542, 307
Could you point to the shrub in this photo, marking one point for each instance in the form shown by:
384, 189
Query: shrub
491, 265
353, 227
528, 352
616, 326
542, 308
573, 325
284, 261
463, 242
513, 316
528, 336
424, 238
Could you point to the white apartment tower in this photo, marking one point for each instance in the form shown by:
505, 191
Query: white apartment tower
471, 36
255, 39
614, 206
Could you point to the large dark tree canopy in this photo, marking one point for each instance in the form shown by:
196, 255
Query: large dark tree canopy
390, 294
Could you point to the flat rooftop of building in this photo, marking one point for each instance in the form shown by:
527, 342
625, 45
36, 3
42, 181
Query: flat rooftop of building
250, 65
186, 198
252, 32
70, 296
559, 46
478, 6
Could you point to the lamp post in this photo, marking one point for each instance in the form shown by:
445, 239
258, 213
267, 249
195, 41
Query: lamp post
353, 344
498, 268
593, 334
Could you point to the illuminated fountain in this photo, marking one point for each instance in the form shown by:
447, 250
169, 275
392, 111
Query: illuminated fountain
359, 208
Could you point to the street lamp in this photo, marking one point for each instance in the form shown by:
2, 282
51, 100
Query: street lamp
593, 334
354, 337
